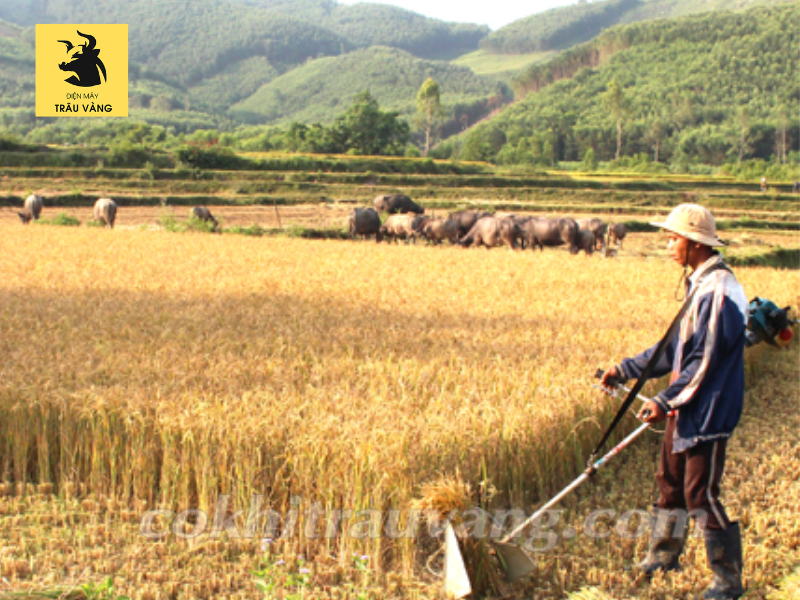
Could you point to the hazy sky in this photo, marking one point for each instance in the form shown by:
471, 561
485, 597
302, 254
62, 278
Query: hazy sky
494, 13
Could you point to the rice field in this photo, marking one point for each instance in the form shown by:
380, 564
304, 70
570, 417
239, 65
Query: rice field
144, 370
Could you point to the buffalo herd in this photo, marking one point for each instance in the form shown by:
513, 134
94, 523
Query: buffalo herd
407, 221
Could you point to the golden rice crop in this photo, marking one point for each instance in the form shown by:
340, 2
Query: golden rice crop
164, 370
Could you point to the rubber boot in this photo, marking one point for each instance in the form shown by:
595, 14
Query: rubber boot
666, 545
724, 551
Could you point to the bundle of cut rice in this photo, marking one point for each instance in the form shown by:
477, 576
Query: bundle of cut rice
446, 499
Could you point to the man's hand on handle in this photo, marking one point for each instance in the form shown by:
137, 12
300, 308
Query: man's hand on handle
611, 378
651, 413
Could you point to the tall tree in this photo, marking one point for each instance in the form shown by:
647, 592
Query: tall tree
618, 105
656, 131
782, 114
743, 143
429, 109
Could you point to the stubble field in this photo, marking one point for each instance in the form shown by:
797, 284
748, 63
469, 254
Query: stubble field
149, 370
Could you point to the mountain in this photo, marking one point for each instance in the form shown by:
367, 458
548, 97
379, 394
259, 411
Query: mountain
564, 27
382, 25
702, 88
186, 41
324, 88
208, 55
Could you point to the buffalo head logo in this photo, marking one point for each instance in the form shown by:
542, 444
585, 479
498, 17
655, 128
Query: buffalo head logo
84, 63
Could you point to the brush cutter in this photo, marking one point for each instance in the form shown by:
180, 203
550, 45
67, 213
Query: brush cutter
515, 561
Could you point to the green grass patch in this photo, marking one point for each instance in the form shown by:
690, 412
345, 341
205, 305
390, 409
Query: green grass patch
62, 219
170, 223
251, 230
777, 258
747, 223
200, 226
485, 63
298, 231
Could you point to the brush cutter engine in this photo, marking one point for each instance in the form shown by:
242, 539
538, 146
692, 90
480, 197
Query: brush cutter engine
768, 323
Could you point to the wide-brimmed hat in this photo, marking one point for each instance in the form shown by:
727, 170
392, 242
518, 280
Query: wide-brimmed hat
693, 222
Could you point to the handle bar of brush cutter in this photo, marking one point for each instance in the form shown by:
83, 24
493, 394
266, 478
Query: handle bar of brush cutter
583, 477
618, 385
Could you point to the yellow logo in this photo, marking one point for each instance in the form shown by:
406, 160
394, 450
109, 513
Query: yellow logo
81, 70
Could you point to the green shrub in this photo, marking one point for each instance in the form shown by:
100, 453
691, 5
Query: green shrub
212, 157
195, 224
169, 223
126, 154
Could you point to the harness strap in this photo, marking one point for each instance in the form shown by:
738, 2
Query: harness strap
648, 369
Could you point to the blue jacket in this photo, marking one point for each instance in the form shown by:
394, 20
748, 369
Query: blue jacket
706, 359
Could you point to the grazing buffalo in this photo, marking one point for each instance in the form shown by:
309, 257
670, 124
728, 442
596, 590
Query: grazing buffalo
203, 214
466, 219
543, 232
31, 209
365, 222
492, 231
397, 203
436, 230
105, 210
586, 241
402, 227
597, 228
616, 233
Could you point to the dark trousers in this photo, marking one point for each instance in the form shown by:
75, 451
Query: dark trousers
690, 480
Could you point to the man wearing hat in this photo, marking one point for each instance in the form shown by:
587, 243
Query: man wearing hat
704, 402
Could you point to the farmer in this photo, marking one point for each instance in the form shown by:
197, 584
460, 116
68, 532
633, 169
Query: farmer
704, 400
763, 184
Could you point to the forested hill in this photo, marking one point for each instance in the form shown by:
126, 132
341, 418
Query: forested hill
561, 28
284, 31
382, 25
323, 88
367, 24
186, 41
706, 88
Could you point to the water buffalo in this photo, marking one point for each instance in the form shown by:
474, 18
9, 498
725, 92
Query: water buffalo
203, 214
586, 241
365, 222
397, 203
403, 227
597, 228
616, 233
543, 232
466, 219
492, 231
436, 230
105, 210
31, 209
